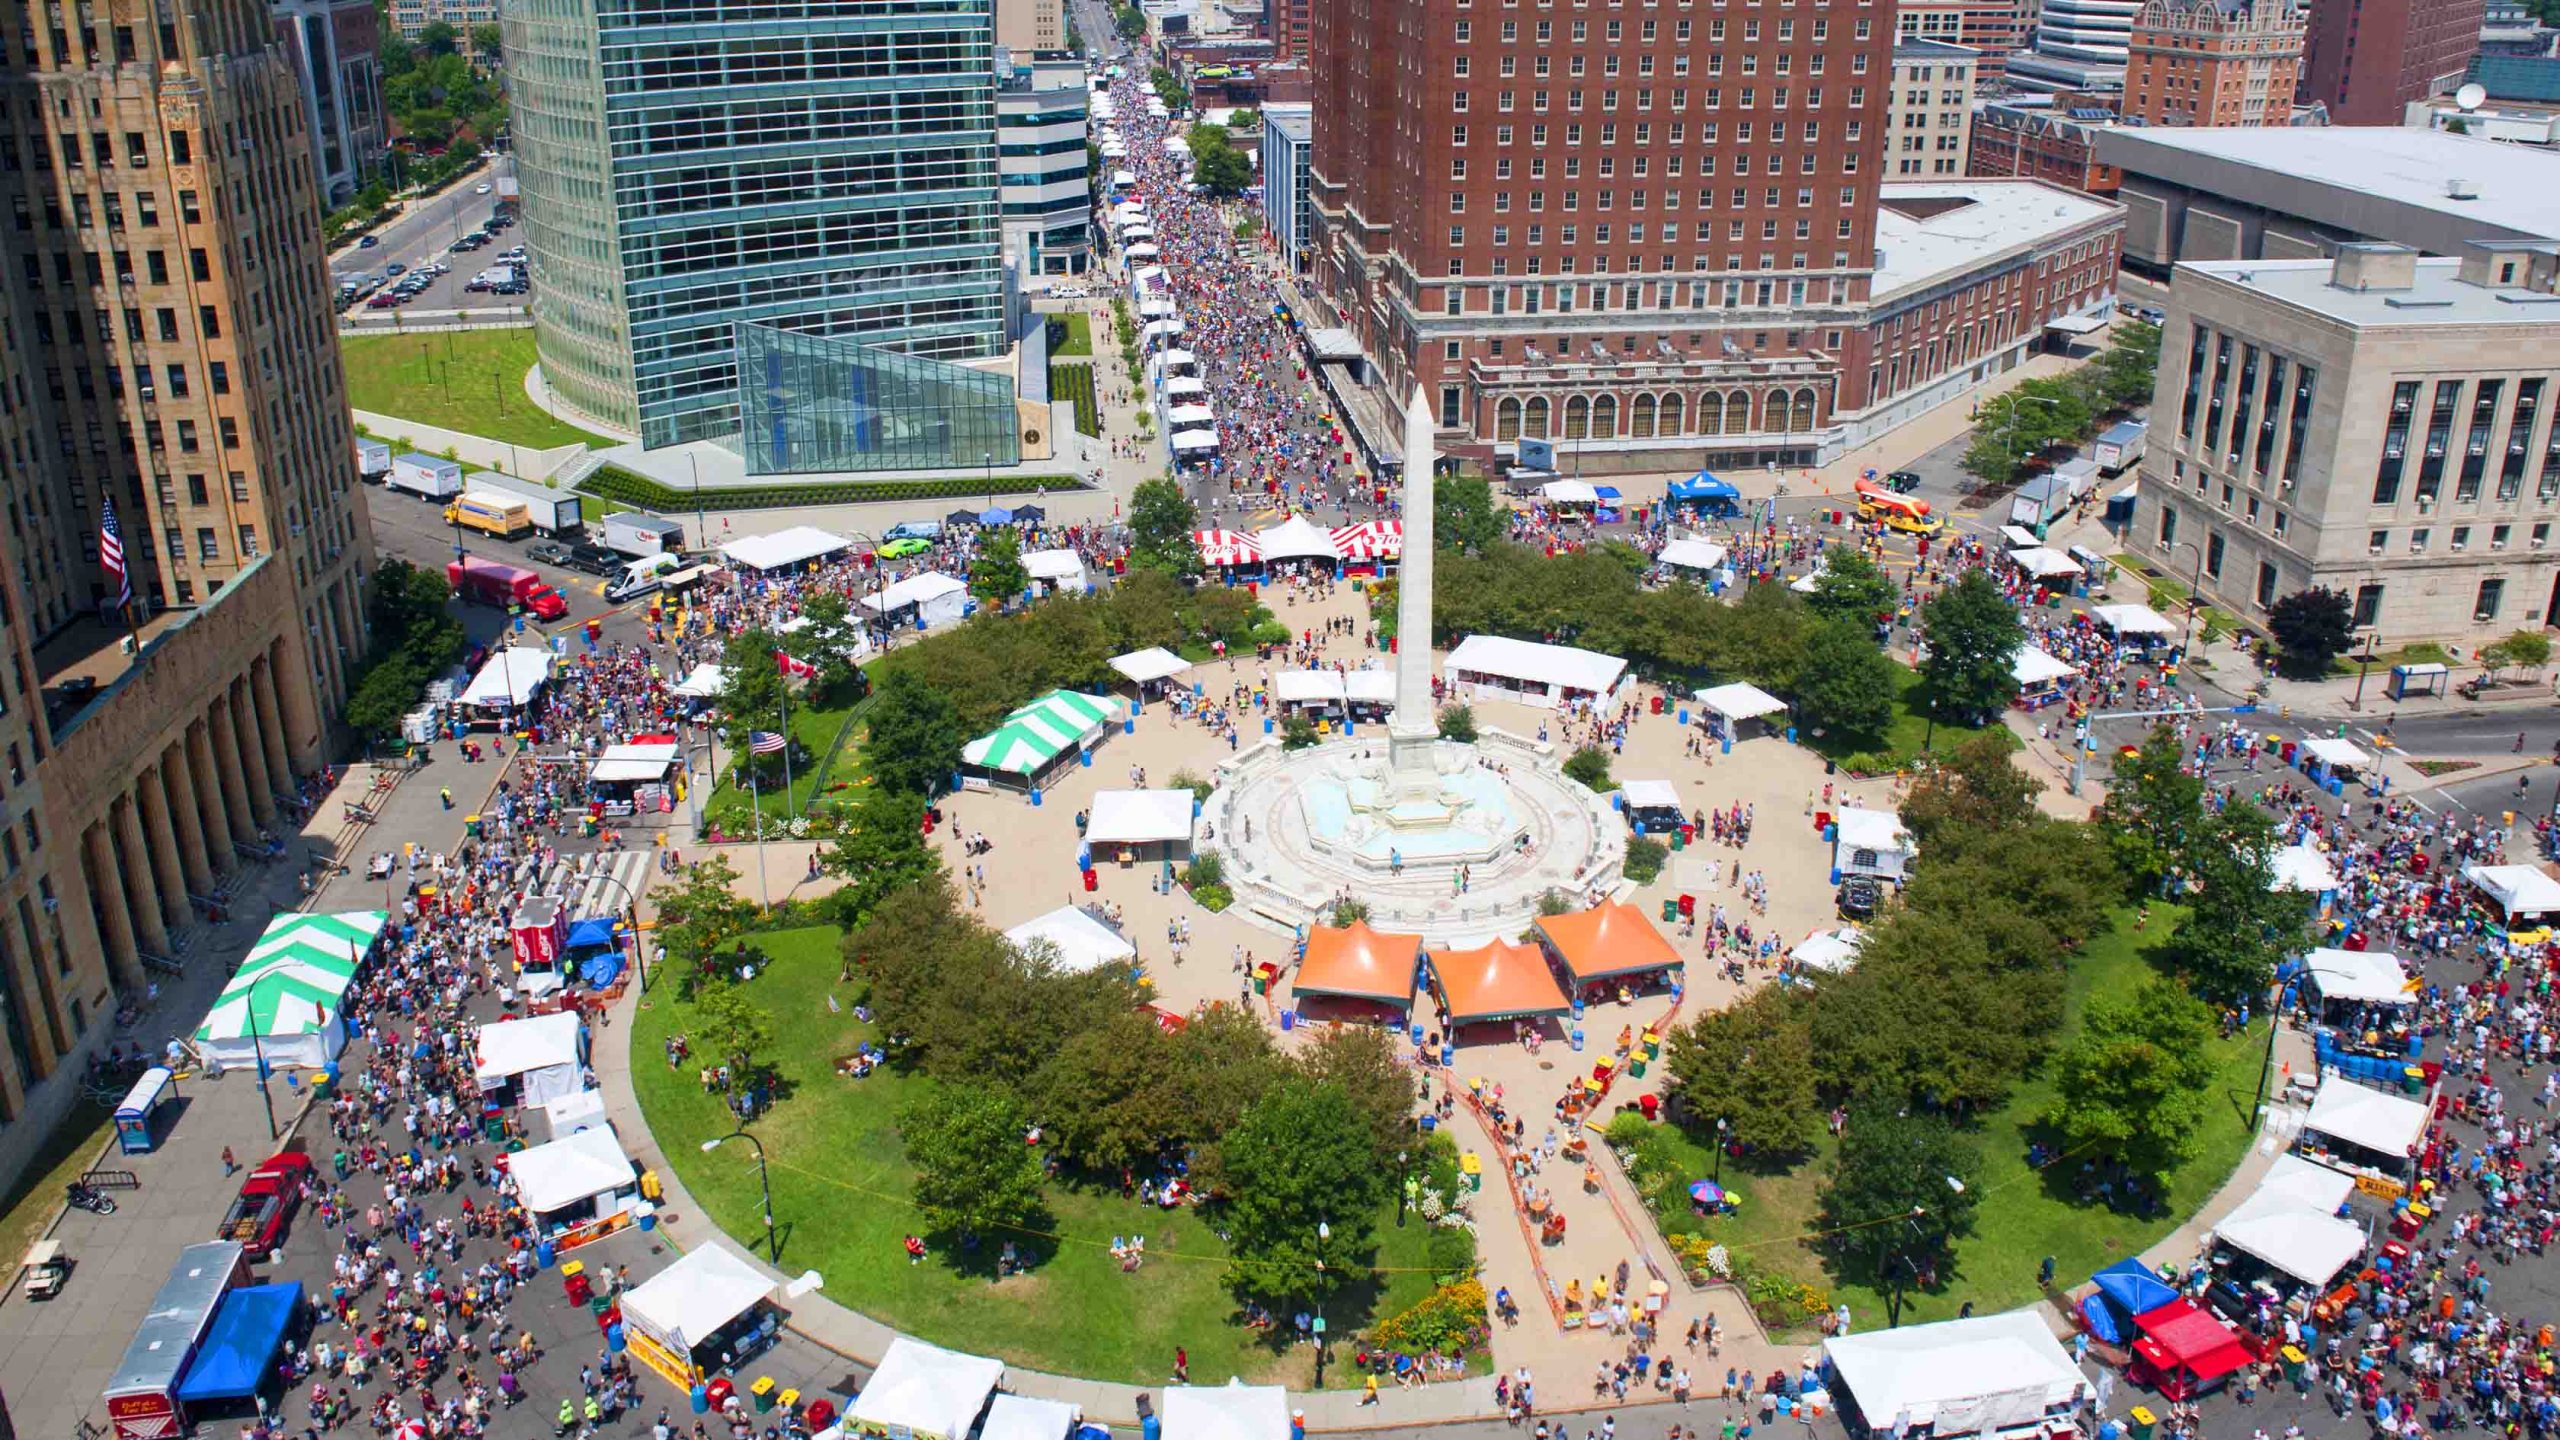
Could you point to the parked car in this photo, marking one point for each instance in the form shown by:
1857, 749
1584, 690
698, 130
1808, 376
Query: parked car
265, 1205
596, 560
368, 242
1859, 896
551, 552
1903, 482
394, 268
901, 549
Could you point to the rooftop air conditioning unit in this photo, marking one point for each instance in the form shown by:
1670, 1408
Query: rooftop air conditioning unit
2458, 188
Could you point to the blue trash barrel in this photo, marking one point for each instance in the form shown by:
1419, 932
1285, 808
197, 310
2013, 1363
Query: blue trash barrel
543, 1254
1577, 1039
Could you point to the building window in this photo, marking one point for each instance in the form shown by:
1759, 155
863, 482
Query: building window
2213, 555
2395, 444
2493, 593
2168, 527
1448, 407
2368, 604
2266, 585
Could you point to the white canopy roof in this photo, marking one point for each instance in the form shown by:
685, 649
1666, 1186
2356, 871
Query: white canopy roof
1145, 250
1233, 1411
2034, 667
1570, 492
1187, 416
2330, 750
705, 682
1377, 687
1962, 1377
633, 762
1829, 950
784, 548
2019, 537
1123, 177
1054, 565
1174, 359
2366, 976
1139, 817
575, 1167
2038, 560
2134, 620
927, 1390
1740, 701
1873, 830
513, 1047
1021, 1417
1306, 687
577, 1110
509, 679
921, 589
2518, 889
1296, 538
2362, 1116
1650, 794
1545, 664
1154, 663
2291, 1221
1083, 942
1186, 385
1155, 308
2301, 867
704, 1290
1693, 554
1195, 439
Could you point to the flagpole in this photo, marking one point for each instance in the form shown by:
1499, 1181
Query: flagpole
785, 677
755, 799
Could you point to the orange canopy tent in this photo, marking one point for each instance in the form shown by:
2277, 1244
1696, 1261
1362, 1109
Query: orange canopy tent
1358, 963
1497, 982
1607, 940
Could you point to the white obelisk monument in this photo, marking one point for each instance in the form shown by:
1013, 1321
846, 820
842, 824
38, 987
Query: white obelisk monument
1415, 730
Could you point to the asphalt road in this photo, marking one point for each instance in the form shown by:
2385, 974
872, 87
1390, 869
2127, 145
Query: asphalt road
421, 236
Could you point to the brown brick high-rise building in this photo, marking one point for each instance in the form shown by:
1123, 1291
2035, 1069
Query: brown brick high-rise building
2213, 62
2367, 59
1990, 28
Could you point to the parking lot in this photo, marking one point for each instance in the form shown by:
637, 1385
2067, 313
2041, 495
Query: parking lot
438, 250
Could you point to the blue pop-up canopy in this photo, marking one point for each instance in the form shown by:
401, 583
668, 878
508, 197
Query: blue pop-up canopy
594, 930
1703, 486
997, 516
248, 1328
2125, 1289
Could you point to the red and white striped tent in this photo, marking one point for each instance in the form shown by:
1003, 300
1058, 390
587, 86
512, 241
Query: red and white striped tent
1370, 540
1228, 547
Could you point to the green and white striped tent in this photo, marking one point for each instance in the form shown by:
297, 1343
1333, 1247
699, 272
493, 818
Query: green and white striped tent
1037, 735
318, 966
285, 1017
350, 933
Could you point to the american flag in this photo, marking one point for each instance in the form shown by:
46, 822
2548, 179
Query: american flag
765, 742
111, 552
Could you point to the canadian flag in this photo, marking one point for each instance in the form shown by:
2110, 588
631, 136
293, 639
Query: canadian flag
796, 669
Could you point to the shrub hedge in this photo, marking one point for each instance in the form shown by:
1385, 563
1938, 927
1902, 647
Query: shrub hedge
624, 487
1075, 382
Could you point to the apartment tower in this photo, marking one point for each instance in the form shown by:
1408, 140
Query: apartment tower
2367, 59
2213, 62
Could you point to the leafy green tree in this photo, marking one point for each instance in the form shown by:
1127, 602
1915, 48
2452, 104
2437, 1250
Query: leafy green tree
2131, 364
1109, 1096
2528, 648
1130, 21
915, 736
974, 1176
876, 847
2133, 1083
1144, 608
1973, 639
1850, 587
996, 575
1298, 732
731, 1026
1463, 516
1302, 1184
1751, 1066
751, 697
1224, 1061
2311, 628
1845, 687
1362, 1060
1224, 170
1162, 522
829, 642
702, 915
1900, 1194
1976, 786
438, 39
2239, 928
486, 42
409, 615
1589, 767
1458, 722
2153, 816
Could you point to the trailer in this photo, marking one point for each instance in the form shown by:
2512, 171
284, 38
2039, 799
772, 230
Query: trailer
2119, 447
426, 476
641, 535
142, 1393
556, 513
373, 461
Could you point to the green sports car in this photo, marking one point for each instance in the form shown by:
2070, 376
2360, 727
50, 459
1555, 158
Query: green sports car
901, 549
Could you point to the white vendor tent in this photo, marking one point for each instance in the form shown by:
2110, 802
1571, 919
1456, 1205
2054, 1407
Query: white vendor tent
1307, 687
2301, 867
784, 549
1296, 538
2518, 890
2291, 1221
1194, 440
1146, 666
703, 682
2367, 1118
1738, 702
1830, 951
1872, 842
1140, 817
1369, 687
935, 597
2043, 563
2033, 667
2365, 977
924, 1392
581, 1165
2129, 621
1061, 568
1986, 1375
569, 1114
1693, 555
633, 763
1178, 386
1185, 417
1496, 667
1233, 1411
1569, 492
1021, 1417
2330, 750
1650, 795
543, 1054
693, 1300
1083, 943
510, 679
1175, 359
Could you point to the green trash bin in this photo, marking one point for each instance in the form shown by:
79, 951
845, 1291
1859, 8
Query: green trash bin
2414, 1080
1680, 838
2144, 1422
1671, 910
1635, 1066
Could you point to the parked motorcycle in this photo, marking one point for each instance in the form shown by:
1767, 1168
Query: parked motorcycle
83, 1197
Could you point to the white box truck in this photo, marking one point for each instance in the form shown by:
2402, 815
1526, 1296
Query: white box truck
2119, 447
555, 512
373, 461
635, 533
426, 476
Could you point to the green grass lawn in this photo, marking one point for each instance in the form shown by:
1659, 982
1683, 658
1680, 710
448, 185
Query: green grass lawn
2024, 1215
2169, 597
840, 1186
466, 380
1075, 383
818, 729
28, 1203
1071, 333
1903, 738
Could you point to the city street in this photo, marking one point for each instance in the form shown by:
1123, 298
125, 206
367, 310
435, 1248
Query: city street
422, 235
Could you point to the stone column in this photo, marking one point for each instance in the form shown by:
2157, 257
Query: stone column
238, 728
162, 851
1415, 727
217, 771
115, 922
289, 672
47, 1028
267, 720
141, 894
177, 790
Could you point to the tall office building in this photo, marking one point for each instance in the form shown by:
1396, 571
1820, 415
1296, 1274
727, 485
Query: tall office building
2367, 59
1931, 113
412, 16
694, 167
2213, 62
166, 344
1989, 28
1048, 200
333, 43
2079, 46
1031, 27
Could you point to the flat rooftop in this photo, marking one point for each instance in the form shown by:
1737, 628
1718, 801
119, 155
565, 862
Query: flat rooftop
2518, 185
1929, 233
2437, 298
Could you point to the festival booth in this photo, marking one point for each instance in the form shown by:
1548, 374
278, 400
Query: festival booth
2290, 1225
1828, 952
709, 1312
1317, 694
138, 1114
1192, 442
1369, 693
1134, 825
921, 601
2524, 895
2136, 625
783, 550
1609, 942
1227, 549
1153, 667
634, 779
1988, 1375
2303, 869
1552, 677
578, 1188
1498, 981
1036, 741
1193, 416
2120, 1292
1366, 548
2364, 1132
142, 1391
2348, 983
1061, 570
702, 687
1871, 842
282, 1015
1174, 362
1725, 709
2343, 759
1297, 541
1699, 557
234, 1372
1356, 963
1564, 493
923, 1392
2040, 677
1022, 1417
505, 685
1703, 494
1233, 1411
2183, 1350
527, 1062
2048, 567
1184, 387
1079, 941
538, 933
1652, 806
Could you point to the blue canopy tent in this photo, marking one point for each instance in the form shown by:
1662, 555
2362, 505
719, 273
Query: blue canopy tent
239, 1350
601, 963
997, 516
2125, 1289
1705, 491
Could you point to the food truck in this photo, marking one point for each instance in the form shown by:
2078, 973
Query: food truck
142, 1394
539, 936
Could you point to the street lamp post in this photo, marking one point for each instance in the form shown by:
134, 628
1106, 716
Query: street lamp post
1402, 1192
1719, 1172
1324, 1234
765, 1179
987, 459
2364, 665
2195, 598
631, 906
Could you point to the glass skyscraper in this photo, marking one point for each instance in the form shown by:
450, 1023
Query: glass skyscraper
826, 167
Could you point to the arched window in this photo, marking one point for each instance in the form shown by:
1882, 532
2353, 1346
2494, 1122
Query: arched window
1711, 414
1805, 404
1640, 418
1577, 418
1737, 412
1506, 420
1672, 414
1533, 421
1604, 418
